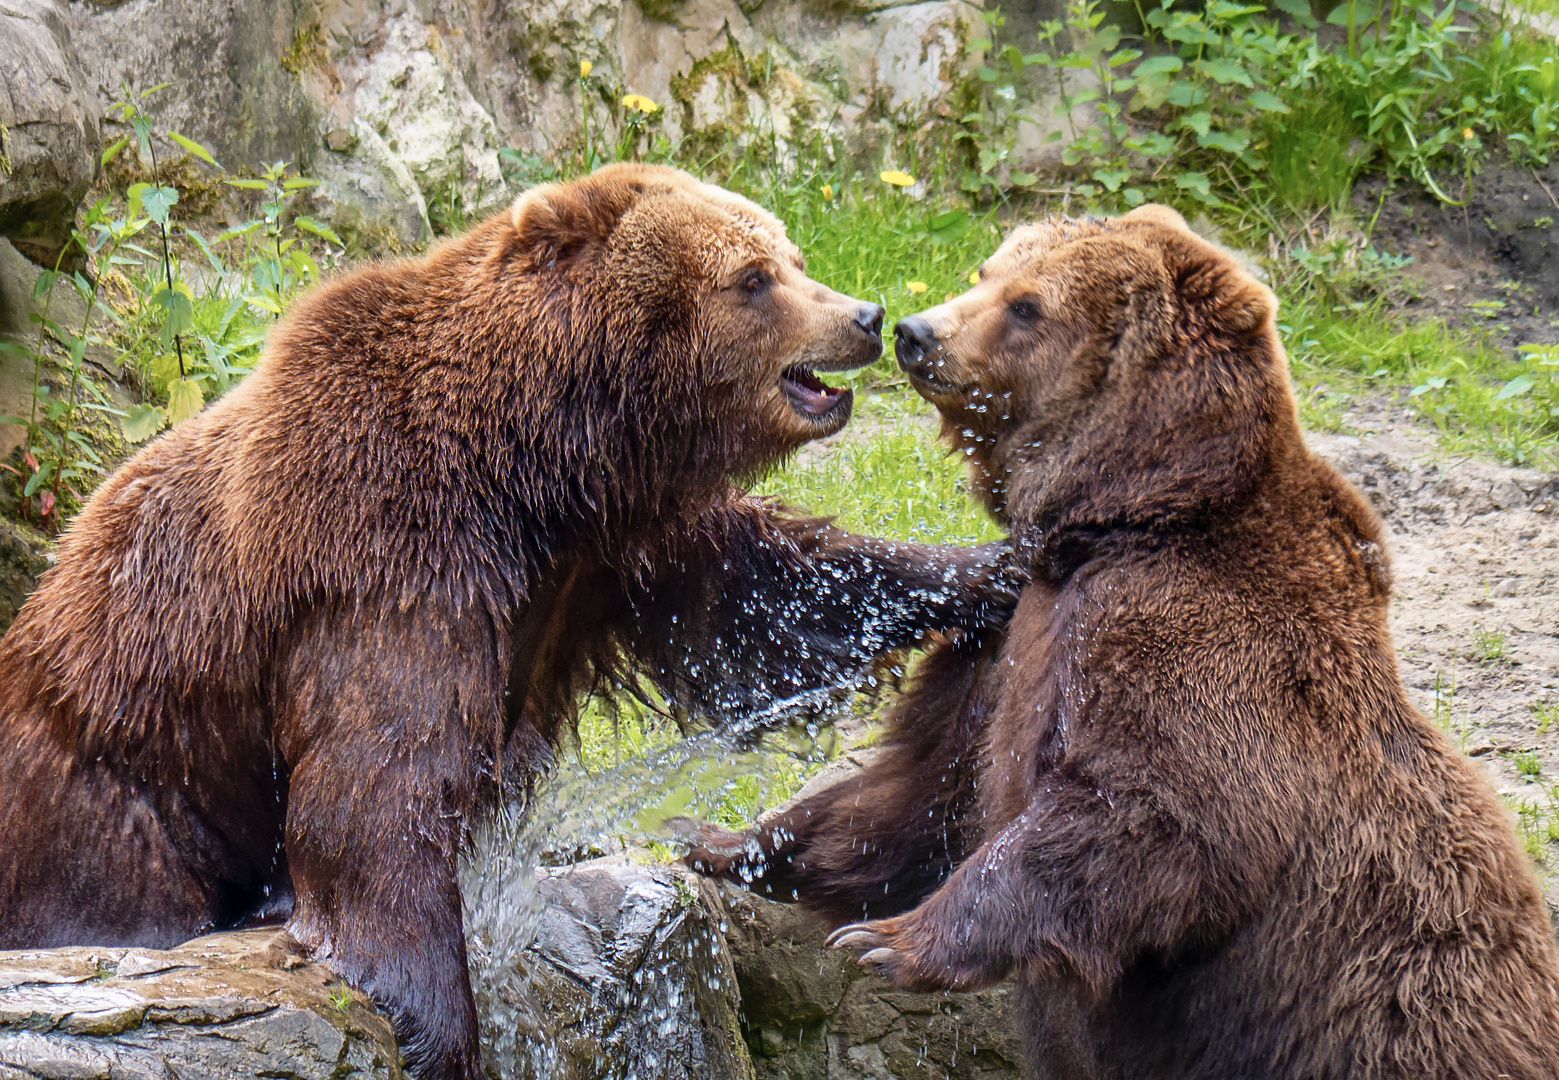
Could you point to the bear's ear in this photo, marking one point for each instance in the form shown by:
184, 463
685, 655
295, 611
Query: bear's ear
1156, 214
555, 223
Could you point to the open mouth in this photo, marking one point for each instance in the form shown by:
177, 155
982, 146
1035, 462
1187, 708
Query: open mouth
811, 396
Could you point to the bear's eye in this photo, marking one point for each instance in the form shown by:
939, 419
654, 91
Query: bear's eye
754, 281
1024, 310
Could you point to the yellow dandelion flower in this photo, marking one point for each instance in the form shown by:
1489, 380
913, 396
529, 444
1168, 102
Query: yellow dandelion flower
974, 277
828, 193
897, 178
585, 68
639, 103
1466, 133
916, 287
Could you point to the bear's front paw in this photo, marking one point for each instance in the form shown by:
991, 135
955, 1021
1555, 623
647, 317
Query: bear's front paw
874, 938
906, 951
998, 581
885, 953
717, 852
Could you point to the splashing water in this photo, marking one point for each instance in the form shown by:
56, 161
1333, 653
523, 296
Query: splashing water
614, 972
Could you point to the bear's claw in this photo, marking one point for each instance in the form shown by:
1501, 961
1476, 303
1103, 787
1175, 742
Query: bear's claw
856, 936
878, 959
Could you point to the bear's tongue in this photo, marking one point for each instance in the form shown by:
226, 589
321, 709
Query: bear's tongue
807, 392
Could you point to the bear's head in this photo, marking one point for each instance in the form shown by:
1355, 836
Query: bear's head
690, 301
1107, 373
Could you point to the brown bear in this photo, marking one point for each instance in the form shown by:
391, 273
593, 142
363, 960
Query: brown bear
294, 648
1182, 799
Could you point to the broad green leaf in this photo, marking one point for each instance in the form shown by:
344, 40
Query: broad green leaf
1515, 388
1225, 71
184, 400
1267, 102
1299, 11
1155, 65
143, 135
1224, 140
37, 480
141, 422
178, 312
16, 420
952, 219
113, 149
297, 183
193, 147
985, 74
43, 283
318, 228
1151, 144
150, 90
1134, 196
158, 201
1112, 178
242, 230
1023, 179
1198, 122
247, 184
1186, 93
1194, 182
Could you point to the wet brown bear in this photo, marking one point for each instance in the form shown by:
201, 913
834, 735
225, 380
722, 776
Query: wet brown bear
1182, 800
293, 648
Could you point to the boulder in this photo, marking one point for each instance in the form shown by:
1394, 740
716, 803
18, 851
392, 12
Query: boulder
628, 975
50, 140
401, 107
241, 1004
23, 559
810, 1011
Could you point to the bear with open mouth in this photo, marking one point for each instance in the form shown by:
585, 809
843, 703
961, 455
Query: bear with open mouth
1182, 798
293, 649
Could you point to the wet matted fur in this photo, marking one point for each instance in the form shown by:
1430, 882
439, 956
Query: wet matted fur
1183, 799
292, 649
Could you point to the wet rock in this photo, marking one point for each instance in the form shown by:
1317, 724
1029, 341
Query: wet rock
808, 1011
23, 559
49, 135
243, 1004
627, 976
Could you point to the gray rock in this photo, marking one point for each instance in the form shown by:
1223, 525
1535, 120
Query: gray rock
242, 1004
50, 140
231, 65
628, 976
811, 1012
23, 559
441, 88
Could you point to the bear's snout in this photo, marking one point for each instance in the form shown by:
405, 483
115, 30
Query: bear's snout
915, 347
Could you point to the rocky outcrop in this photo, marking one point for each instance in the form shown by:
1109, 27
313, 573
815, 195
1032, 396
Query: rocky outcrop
234, 1005
809, 1011
403, 105
628, 975
50, 140
633, 972
23, 559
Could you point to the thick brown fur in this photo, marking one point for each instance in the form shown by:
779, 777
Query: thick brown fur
1187, 805
293, 649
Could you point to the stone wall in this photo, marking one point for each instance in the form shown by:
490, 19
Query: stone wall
394, 103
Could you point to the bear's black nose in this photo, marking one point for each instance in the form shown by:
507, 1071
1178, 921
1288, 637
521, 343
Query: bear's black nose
914, 339
869, 318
